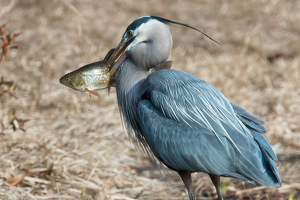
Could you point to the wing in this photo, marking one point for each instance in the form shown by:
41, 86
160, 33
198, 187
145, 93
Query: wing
256, 126
249, 119
190, 125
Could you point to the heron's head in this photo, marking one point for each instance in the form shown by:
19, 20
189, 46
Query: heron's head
147, 42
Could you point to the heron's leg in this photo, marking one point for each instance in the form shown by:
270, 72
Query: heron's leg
216, 180
187, 180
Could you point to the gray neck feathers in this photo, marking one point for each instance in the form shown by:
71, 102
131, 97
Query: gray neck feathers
129, 90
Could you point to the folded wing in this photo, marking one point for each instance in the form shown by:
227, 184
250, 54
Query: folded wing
190, 125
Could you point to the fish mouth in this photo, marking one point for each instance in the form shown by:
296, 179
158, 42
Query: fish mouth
119, 53
61, 80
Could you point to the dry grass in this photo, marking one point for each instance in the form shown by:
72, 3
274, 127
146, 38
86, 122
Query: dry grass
74, 146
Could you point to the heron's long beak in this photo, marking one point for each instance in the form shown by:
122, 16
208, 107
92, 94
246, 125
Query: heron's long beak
119, 52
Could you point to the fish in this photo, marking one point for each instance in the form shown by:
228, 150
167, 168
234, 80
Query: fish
96, 76
91, 77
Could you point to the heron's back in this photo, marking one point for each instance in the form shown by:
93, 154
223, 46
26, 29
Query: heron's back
190, 125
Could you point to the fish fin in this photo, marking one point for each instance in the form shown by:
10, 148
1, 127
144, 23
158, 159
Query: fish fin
108, 89
94, 92
109, 84
112, 81
164, 65
108, 55
113, 84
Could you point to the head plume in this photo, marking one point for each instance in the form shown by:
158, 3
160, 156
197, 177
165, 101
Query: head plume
144, 19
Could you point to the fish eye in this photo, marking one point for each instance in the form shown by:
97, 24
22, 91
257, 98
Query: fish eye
68, 79
129, 33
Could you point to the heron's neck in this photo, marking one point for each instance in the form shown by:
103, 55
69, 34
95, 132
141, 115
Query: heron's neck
128, 76
129, 90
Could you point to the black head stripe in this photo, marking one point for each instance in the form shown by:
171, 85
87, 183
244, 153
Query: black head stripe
136, 23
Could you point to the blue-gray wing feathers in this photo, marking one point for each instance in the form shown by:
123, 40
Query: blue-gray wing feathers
249, 119
190, 125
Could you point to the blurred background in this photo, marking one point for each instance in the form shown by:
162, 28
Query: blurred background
57, 143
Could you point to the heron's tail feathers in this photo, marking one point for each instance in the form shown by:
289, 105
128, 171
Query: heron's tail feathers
264, 144
272, 172
269, 158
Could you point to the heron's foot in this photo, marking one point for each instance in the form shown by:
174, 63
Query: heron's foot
187, 180
216, 181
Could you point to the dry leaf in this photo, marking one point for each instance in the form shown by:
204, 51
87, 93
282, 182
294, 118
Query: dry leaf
6, 42
11, 176
7, 87
17, 123
2, 30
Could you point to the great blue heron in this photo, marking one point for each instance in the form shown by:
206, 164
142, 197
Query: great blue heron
184, 121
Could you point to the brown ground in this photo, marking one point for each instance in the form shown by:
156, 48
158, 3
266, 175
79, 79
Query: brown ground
257, 67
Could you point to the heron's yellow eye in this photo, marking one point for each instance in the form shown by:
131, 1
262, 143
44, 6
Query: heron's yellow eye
68, 79
129, 33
